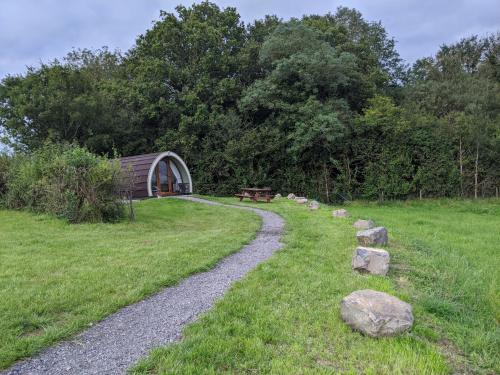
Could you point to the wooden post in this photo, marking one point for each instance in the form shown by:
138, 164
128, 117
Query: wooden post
326, 183
127, 185
476, 168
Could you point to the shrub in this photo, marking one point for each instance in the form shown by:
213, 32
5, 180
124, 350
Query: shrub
4, 169
67, 181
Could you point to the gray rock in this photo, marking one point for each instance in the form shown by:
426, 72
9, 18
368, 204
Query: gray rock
291, 196
371, 260
314, 205
376, 314
277, 196
340, 213
374, 236
301, 200
364, 224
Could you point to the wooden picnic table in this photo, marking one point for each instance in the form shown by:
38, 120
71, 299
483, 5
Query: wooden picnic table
255, 194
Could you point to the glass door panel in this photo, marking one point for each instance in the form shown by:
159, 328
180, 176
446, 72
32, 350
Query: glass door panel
176, 177
163, 173
154, 182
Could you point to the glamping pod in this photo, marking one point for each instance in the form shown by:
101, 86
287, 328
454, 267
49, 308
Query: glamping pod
159, 174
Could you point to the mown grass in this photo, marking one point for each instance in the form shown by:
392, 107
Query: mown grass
56, 278
284, 317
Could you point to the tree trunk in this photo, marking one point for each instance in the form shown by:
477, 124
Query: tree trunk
325, 170
131, 206
476, 170
348, 169
461, 161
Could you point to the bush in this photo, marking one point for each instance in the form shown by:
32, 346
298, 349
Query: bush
4, 169
67, 181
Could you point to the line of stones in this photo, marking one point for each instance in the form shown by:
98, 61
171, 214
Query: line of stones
371, 312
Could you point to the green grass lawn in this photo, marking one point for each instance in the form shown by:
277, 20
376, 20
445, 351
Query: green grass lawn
284, 317
56, 278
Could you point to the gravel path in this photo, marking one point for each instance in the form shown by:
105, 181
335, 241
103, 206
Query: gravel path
117, 342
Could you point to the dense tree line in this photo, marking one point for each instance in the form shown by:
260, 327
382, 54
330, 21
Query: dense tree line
321, 105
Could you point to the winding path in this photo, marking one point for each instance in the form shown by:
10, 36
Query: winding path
117, 342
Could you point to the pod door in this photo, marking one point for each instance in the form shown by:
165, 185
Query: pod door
162, 179
167, 180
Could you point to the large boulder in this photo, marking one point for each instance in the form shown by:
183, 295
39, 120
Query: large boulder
376, 314
374, 236
291, 196
364, 224
277, 196
340, 213
371, 260
314, 205
301, 200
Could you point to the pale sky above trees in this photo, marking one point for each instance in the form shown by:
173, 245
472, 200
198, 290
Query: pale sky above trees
40, 30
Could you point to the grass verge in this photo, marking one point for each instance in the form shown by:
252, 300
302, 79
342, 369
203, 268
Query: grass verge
57, 278
284, 317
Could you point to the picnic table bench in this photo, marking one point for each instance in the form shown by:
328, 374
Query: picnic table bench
255, 194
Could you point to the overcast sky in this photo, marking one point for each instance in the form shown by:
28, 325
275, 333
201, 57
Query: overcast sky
40, 30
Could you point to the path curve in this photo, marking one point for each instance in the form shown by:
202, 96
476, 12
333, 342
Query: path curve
114, 344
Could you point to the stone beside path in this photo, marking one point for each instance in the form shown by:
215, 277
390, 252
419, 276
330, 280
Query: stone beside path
371, 260
340, 213
374, 236
376, 314
373, 313
363, 224
114, 344
314, 205
370, 312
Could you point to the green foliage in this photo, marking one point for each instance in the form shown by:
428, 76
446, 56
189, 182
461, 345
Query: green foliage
5, 161
71, 101
382, 155
67, 181
321, 105
460, 91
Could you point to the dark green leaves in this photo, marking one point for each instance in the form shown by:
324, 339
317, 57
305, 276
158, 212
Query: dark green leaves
318, 105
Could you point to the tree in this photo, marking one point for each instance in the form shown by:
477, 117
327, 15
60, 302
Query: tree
459, 87
307, 95
319, 105
65, 101
381, 154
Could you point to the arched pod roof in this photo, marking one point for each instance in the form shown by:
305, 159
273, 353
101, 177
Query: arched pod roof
143, 167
